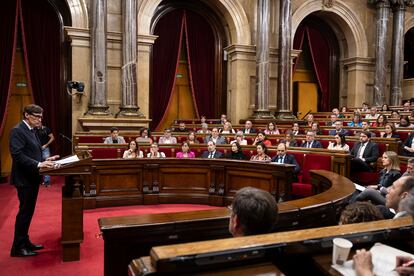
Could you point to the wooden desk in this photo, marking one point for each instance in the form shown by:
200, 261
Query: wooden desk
129, 237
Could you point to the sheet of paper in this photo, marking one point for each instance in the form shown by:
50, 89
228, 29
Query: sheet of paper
359, 187
67, 160
383, 258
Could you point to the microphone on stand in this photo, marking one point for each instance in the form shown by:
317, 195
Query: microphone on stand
65, 137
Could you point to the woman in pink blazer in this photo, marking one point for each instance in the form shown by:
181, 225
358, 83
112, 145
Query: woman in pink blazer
185, 151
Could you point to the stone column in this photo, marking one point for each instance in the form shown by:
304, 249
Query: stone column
397, 54
380, 77
284, 73
262, 60
98, 104
129, 105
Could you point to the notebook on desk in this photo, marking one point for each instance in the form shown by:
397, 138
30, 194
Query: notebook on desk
384, 259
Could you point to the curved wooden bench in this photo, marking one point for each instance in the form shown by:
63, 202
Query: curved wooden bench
129, 237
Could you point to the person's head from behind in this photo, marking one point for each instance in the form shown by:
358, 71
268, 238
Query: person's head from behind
114, 133
253, 212
33, 115
360, 211
398, 191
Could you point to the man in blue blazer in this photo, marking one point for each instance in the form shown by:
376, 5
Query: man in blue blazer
284, 158
211, 151
338, 129
26, 152
310, 141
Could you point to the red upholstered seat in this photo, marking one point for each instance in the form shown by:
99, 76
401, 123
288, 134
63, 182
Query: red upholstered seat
325, 143
310, 162
325, 131
365, 178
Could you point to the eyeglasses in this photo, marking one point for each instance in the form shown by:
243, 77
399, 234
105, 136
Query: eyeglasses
36, 115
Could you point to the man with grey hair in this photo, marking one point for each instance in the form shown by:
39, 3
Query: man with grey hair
253, 211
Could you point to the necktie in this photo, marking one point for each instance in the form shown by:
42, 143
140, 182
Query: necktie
309, 145
210, 155
280, 161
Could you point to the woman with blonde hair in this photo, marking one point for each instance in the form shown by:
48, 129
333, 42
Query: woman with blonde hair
391, 172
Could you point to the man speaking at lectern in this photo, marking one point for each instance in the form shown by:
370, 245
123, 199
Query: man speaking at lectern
26, 152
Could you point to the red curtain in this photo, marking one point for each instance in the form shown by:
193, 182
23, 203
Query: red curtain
165, 53
8, 33
320, 50
201, 61
42, 41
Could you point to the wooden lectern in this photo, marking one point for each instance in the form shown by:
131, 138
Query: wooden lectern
76, 174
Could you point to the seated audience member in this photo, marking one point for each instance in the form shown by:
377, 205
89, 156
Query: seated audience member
114, 138
315, 128
406, 106
339, 143
185, 151
236, 152
181, 128
380, 122
364, 153
360, 212
133, 151
365, 127
215, 137
253, 212
332, 120
391, 172
407, 204
365, 107
404, 122
337, 113
289, 141
385, 108
283, 157
239, 138
261, 155
310, 141
261, 138
204, 129
295, 129
191, 138
211, 151
227, 128
309, 120
410, 168
338, 129
356, 121
223, 119
248, 128
203, 119
373, 113
395, 115
397, 193
271, 129
390, 131
144, 136
167, 138
344, 109
408, 146
154, 152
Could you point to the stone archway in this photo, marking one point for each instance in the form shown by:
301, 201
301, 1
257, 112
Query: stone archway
353, 45
350, 25
232, 10
79, 13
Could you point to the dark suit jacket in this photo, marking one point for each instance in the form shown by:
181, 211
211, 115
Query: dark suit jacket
293, 143
343, 131
315, 144
407, 143
371, 152
220, 140
289, 159
217, 154
252, 130
26, 152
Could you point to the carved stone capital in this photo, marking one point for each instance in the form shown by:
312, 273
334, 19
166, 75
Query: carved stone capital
328, 3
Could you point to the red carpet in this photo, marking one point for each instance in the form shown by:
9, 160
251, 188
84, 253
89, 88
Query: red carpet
45, 229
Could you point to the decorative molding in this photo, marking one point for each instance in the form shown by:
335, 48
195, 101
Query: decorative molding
328, 3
